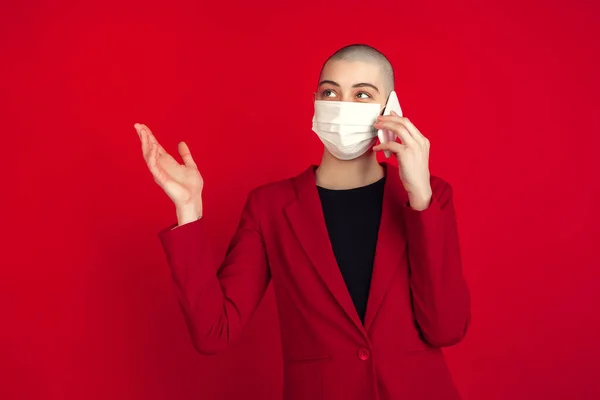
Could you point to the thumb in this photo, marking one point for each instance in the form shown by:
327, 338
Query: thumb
186, 156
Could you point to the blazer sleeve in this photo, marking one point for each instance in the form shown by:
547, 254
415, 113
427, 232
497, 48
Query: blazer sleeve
217, 296
440, 295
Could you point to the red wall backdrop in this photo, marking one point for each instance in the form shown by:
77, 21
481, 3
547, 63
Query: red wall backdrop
507, 91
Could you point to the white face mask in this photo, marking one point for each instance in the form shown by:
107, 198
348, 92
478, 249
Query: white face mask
346, 127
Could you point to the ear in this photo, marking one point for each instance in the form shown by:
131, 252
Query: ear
314, 97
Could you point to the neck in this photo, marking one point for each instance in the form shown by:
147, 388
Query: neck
337, 174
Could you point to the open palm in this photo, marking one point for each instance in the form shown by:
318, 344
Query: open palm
181, 182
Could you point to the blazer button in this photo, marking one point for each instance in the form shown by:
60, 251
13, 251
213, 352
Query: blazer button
364, 354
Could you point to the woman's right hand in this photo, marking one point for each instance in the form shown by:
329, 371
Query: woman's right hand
181, 182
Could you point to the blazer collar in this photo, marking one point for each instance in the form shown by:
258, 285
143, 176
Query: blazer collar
306, 218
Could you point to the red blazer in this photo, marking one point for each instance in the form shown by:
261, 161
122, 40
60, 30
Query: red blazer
418, 301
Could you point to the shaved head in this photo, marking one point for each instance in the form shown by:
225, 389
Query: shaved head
366, 54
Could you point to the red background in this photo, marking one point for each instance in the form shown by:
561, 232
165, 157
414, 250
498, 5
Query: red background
506, 91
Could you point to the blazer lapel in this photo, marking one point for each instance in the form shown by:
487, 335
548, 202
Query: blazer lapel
391, 242
305, 215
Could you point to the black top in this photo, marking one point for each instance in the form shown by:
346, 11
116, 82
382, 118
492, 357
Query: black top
352, 217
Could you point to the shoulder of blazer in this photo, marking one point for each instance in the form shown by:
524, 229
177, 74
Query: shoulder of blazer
276, 194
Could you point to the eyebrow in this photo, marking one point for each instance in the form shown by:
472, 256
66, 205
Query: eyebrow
356, 85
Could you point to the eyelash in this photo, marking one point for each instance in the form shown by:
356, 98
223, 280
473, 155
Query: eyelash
359, 93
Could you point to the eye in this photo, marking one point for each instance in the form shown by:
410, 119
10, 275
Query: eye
363, 95
328, 93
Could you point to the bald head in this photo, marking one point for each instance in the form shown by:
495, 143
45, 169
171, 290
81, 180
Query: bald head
363, 53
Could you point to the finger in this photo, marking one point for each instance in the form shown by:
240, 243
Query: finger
146, 145
142, 129
152, 162
186, 155
399, 129
392, 117
160, 151
413, 130
146, 131
394, 147
144, 138
138, 127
